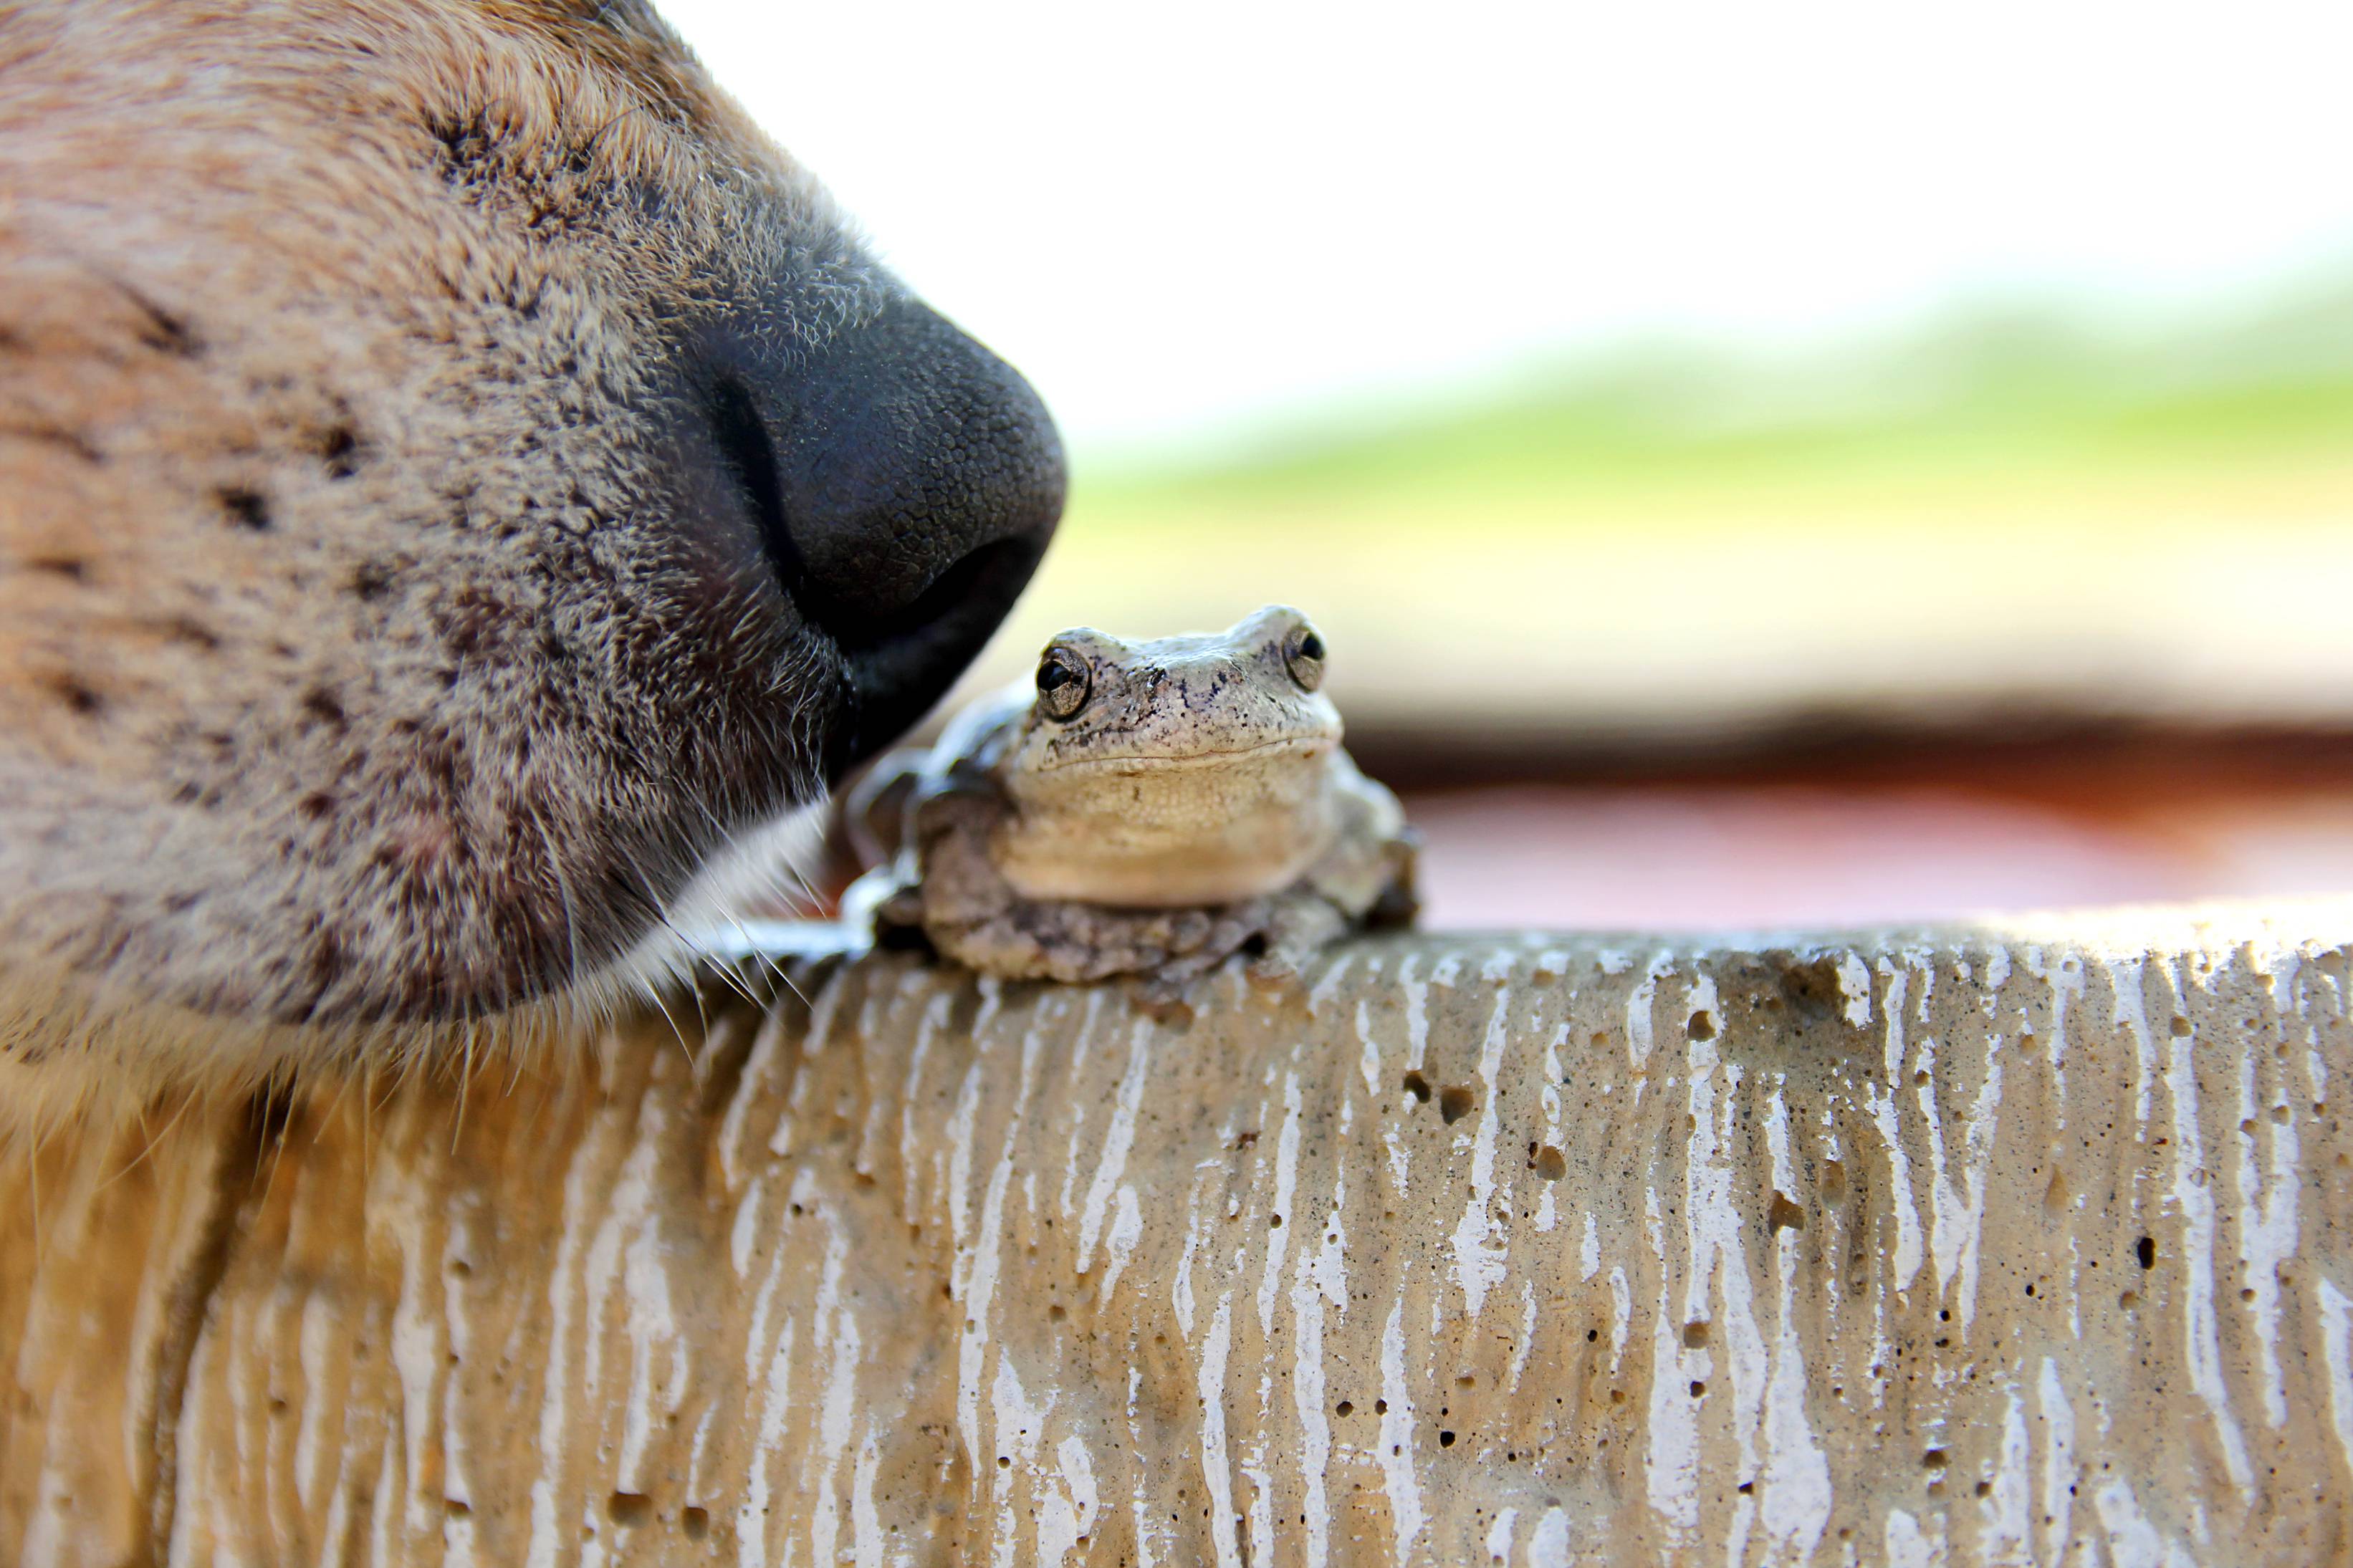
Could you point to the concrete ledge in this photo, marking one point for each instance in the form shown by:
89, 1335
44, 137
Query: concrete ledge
1988, 1245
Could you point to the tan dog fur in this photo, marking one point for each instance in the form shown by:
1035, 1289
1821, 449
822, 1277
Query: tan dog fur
339, 703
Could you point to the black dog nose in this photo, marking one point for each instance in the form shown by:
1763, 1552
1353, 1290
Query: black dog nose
906, 481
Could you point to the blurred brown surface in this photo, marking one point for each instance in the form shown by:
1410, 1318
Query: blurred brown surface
1853, 829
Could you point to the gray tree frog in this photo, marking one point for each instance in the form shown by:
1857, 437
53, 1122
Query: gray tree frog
1141, 808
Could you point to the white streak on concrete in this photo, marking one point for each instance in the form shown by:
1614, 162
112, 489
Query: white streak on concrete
1180, 1294
2058, 1497
456, 1248
2267, 1229
1209, 1381
1640, 1038
1794, 1503
1672, 1475
1069, 1511
910, 1099
752, 1085
1119, 1247
1499, 1535
1777, 1140
2200, 1327
1854, 984
1369, 1061
548, 1536
1717, 1270
416, 1355
2133, 1541
1319, 1280
1117, 1142
1957, 1214
2064, 975
2337, 1351
2126, 977
2005, 1527
751, 1514
1019, 1421
744, 1233
1481, 1254
1327, 985
1622, 1313
1588, 1251
315, 1337
1905, 1267
1286, 1183
976, 1272
865, 1518
1527, 1337
1417, 1014
1548, 1543
1893, 1046
1907, 1547
837, 1326
1399, 1480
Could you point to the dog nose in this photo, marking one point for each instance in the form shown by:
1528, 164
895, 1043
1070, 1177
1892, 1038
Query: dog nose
905, 481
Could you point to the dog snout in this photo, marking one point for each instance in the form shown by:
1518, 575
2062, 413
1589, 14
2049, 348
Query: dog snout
903, 481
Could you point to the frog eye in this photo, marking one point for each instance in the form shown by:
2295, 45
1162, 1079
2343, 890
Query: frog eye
1303, 652
1063, 680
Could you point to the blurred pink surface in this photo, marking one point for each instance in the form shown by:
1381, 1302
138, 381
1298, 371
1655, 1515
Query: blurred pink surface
1687, 857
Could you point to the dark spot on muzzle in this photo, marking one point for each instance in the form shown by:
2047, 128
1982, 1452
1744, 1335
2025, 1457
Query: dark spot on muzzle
904, 482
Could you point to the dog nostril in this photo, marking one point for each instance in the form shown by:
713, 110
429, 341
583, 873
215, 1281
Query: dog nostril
750, 460
904, 666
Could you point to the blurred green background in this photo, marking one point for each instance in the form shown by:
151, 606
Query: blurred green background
2013, 506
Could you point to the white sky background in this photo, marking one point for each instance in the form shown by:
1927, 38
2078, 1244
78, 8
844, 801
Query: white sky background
1182, 221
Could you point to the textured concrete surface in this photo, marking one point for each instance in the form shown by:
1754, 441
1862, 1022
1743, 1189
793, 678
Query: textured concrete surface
2002, 1246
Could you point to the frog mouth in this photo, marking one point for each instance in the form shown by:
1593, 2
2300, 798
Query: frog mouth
1197, 759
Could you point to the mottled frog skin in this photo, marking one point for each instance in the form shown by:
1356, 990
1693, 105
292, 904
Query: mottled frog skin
1141, 808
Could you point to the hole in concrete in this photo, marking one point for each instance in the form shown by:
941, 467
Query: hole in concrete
1695, 1334
1454, 1101
1783, 1214
1417, 1086
2180, 1028
1549, 1164
628, 1508
2147, 1251
696, 1522
1701, 1026
1833, 1182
